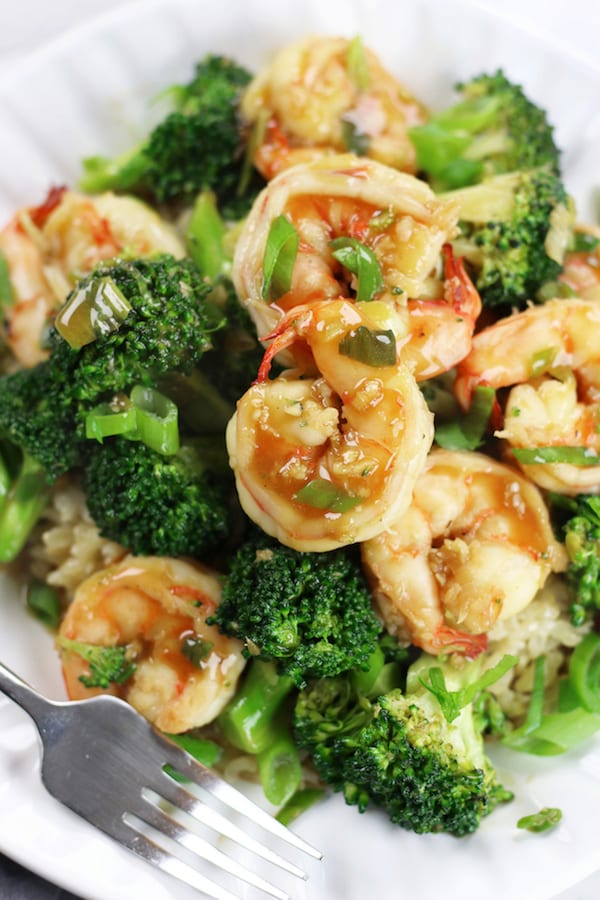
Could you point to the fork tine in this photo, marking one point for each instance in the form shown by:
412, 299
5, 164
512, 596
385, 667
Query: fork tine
178, 794
233, 798
140, 843
163, 821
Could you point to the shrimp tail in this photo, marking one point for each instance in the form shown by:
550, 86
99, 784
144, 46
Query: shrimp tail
279, 341
459, 291
471, 645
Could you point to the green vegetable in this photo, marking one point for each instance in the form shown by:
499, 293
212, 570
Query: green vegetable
494, 127
7, 294
547, 818
160, 505
198, 145
156, 420
451, 702
322, 494
108, 665
514, 231
553, 733
21, 507
362, 262
96, 307
196, 650
279, 768
357, 64
581, 531
576, 456
43, 410
205, 234
299, 803
311, 613
584, 672
398, 751
366, 345
43, 601
247, 720
207, 752
111, 418
468, 433
280, 255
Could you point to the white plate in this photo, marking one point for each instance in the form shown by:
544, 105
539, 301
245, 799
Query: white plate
86, 94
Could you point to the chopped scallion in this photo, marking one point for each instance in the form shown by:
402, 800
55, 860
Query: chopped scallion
372, 347
156, 420
357, 64
575, 456
322, 494
92, 310
362, 262
468, 432
544, 820
108, 419
280, 256
7, 295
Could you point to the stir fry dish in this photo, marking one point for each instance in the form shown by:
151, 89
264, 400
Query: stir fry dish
300, 433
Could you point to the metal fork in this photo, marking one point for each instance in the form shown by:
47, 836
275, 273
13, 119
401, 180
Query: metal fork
104, 761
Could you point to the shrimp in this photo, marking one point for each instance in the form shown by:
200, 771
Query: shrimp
331, 459
156, 606
581, 268
399, 219
50, 247
475, 546
327, 94
550, 356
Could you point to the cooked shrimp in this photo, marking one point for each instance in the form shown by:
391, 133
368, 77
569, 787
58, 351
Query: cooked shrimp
50, 247
328, 460
154, 606
325, 95
581, 268
394, 215
550, 356
475, 546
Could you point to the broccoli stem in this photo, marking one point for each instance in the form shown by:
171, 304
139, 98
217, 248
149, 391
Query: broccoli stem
23, 504
279, 765
248, 720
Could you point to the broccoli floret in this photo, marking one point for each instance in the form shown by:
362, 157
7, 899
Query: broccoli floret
514, 232
581, 531
159, 505
398, 751
168, 328
198, 145
108, 665
34, 417
493, 128
309, 612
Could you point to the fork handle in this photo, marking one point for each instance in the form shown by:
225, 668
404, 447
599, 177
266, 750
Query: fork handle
19, 691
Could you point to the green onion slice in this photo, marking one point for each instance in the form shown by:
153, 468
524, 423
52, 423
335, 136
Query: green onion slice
322, 494
355, 141
280, 255
584, 672
7, 295
91, 311
43, 601
108, 419
357, 64
546, 818
156, 420
362, 262
204, 235
196, 650
468, 433
372, 347
576, 456
584, 242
